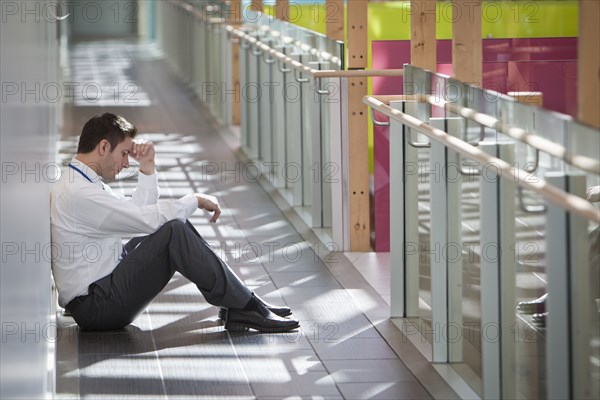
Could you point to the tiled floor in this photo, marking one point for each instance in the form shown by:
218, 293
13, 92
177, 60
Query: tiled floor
346, 347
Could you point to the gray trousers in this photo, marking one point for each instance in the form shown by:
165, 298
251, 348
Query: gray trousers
116, 300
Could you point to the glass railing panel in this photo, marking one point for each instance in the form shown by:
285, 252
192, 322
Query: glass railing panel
417, 218
585, 140
469, 174
288, 33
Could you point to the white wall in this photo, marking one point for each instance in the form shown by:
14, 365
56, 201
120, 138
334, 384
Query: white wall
103, 18
28, 109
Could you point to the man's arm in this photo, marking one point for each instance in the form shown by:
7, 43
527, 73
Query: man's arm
144, 153
147, 191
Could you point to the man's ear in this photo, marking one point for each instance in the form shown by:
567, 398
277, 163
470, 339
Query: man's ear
103, 147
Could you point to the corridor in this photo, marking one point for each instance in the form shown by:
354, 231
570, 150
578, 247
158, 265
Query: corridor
347, 348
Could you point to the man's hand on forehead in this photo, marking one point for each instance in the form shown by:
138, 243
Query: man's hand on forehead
142, 151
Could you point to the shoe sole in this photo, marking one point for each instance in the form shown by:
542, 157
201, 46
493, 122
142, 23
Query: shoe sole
223, 314
239, 327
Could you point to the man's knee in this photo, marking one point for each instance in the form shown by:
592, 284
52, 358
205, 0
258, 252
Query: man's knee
175, 225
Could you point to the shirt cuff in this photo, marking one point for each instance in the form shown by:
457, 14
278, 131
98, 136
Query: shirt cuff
191, 204
147, 181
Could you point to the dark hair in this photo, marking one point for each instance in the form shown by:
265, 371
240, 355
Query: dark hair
107, 126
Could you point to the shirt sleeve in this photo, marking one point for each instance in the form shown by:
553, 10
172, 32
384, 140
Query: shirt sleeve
147, 191
100, 214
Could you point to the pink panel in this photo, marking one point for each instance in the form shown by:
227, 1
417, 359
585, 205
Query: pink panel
508, 65
557, 80
386, 55
536, 49
494, 76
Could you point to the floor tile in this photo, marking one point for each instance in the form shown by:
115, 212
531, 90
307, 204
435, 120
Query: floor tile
308, 384
355, 371
352, 349
384, 391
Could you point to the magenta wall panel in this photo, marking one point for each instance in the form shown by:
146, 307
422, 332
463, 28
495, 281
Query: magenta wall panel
542, 64
557, 80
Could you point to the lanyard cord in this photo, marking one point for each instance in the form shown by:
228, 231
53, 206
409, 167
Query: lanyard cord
81, 172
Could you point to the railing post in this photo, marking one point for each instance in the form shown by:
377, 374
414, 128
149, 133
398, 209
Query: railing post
338, 109
265, 103
253, 93
497, 210
280, 79
446, 245
295, 132
317, 165
244, 106
568, 321
306, 103
404, 229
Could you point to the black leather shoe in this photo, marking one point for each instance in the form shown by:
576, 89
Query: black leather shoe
281, 311
261, 320
536, 306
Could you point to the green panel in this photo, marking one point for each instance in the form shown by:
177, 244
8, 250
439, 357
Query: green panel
501, 19
309, 16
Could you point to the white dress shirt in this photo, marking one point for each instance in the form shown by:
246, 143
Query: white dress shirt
88, 220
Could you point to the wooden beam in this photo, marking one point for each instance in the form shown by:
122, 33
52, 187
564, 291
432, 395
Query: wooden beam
358, 147
467, 52
422, 41
588, 63
234, 14
235, 70
334, 19
358, 129
357, 34
234, 17
257, 5
282, 10
533, 98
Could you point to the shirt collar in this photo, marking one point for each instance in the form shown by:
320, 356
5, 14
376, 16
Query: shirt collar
89, 172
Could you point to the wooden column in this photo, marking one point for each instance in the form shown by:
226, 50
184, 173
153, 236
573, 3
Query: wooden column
358, 129
588, 63
257, 5
334, 19
467, 53
282, 10
533, 98
422, 31
235, 12
235, 18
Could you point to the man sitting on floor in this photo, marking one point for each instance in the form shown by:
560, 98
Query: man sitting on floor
105, 285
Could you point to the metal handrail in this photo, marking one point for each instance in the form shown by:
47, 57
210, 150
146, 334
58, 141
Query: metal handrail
376, 122
318, 88
568, 201
537, 142
281, 68
300, 80
584, 163
306, 69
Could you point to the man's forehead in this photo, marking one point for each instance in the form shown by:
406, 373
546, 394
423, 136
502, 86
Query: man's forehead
126, 144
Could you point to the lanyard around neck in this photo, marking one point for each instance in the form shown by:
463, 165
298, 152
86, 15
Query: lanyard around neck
81, 172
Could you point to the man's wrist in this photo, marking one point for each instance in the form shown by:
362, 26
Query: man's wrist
147, 169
